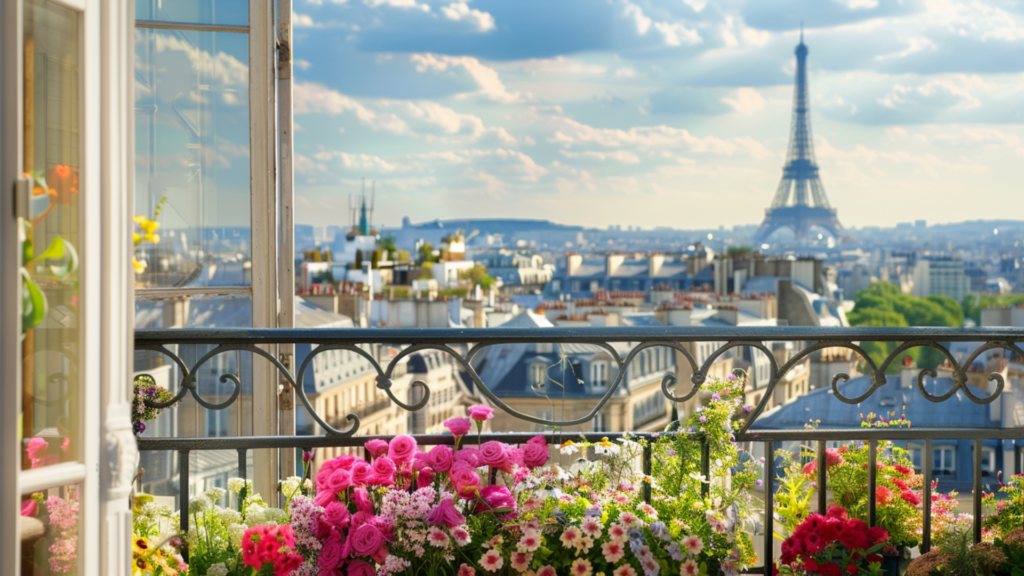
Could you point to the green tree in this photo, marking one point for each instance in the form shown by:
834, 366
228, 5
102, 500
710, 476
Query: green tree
425, 253
478, 275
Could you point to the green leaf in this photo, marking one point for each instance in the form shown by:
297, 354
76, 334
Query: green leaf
33, 302
54, 251
70, 264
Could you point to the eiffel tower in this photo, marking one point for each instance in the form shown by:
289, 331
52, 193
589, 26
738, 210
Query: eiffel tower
800, 200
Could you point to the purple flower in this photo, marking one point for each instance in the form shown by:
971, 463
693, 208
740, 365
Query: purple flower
746, 409
671, 452
715, 396
703, 419
732, 376
307, 456
759, 482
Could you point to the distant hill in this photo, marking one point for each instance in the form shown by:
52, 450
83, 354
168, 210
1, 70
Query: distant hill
496, 225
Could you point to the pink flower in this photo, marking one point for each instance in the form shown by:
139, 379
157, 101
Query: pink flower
360, 568
37, 451
494, 454
402, 449
420, 460
441, 458
366, 540
466, 480
458, 426
336, 514
538, 440
497, 498
425, 477
912, 498
613, 551
445, 514
362, 500
492, 561
461, 536
376, 447
361, 472
481, 413
547, 571
330, 555
535, 455
339, 480
30, 508
530, 540
521, 561
470, 456
384, 466
466, 571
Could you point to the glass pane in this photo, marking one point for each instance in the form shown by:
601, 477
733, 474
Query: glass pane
49, 531
233, 12
191, 159
52, 233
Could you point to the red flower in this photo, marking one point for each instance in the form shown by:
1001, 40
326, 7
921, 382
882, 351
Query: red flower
877, 534
810, 565
883, 495
830, 569
910, 497
836, 511
851, 568
903, 470
874, 559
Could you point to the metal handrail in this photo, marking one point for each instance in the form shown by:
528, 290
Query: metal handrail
811, 339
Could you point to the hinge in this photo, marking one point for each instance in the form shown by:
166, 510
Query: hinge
22, 193
285, 392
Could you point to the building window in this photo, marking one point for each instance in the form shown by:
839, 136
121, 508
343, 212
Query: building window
599, 374
943, 461
544, 414
599, 423
988, 462
538, 377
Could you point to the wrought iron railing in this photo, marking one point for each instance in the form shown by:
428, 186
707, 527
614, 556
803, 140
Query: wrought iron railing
809, 339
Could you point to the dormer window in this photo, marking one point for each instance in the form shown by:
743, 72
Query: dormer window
538, 377
599, 374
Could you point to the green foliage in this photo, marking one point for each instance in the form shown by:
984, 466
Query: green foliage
425, 253
973, 304
478, 275
1008, 515
739, 251
387, 244
882, 304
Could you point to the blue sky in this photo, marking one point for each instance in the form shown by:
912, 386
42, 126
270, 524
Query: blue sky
655, 113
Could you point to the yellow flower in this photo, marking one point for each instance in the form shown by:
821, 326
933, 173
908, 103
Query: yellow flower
141, 565
154, 238
140, 267
136, 238
605, 442
140, 545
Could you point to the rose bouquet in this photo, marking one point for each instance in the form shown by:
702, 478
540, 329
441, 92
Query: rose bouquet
833, 545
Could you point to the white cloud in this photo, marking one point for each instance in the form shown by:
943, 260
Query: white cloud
641, 22
302, 20
397, 4
302, 64
312, 98
625, 73
858, 4
676, 34
561, 67
623, 156
951, 92
461, 12
747, 101
362, 162
487, 80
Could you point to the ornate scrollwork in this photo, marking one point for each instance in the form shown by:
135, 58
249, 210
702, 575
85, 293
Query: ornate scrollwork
669, 382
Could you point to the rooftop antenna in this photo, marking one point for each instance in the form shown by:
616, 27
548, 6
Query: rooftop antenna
801, 31
351, 211
373, 198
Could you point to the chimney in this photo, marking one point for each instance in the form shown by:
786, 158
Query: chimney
612, 263
654, 262
573, 261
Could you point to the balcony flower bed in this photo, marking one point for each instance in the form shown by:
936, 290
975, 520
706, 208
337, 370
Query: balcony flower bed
476, 509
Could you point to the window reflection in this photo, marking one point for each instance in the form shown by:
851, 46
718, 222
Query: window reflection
192, 158
49, 531
51, 232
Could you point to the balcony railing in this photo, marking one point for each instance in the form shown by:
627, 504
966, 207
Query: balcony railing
808, 340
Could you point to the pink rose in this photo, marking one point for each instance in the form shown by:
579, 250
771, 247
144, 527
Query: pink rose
515, 459
465, 570
323, 498
30, 508
376, 447
366, 540
360, 518
362, 499
494, 454
538, 440
384, 466
441, 458
379, 480
458, 426
497, 497
330, 556
360, 473
465, 479
481, 413
470, 456
425, 477
401, 449
535, 455
37, 451
445, 514
360, 568
339, 480
336, 514
420, 461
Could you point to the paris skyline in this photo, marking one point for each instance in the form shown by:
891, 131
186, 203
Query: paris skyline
653, 113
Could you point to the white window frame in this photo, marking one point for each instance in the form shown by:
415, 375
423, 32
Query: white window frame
990, 468
599, 374
105, 352
539, 376
599, 422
